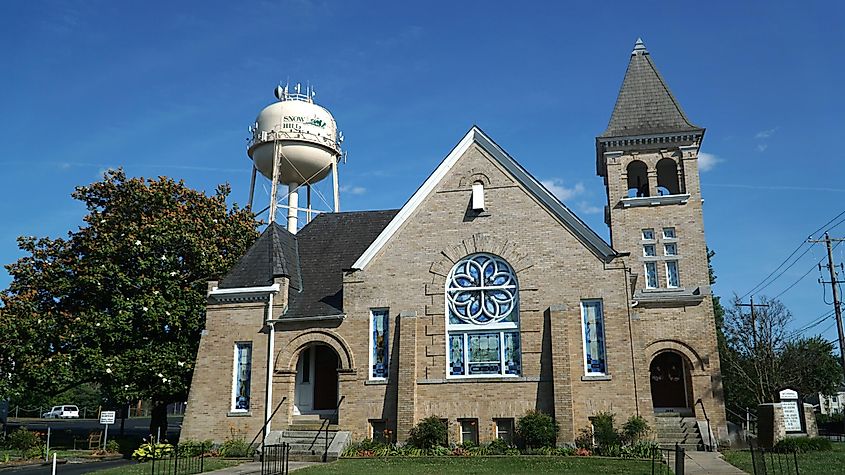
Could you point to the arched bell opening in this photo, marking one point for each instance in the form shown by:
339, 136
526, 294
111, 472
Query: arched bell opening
671, 383
637, 179
667, 177
316, 389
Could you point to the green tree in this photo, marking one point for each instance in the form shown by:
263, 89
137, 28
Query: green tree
119, 302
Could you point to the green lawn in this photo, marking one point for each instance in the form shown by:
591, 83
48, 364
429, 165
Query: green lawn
144, 468
822, 463
482, 465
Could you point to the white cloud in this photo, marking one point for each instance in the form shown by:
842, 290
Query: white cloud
764, 134
563, 193
706, 161
588, 208
353, 190
762, 147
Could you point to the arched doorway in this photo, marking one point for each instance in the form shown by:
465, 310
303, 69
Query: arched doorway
316, 388
671, 387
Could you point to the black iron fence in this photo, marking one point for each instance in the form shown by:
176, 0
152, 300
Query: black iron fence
275, 459
176, 461
769, 462
668, 461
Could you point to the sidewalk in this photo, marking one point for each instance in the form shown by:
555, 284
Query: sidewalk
705, 463
255, 467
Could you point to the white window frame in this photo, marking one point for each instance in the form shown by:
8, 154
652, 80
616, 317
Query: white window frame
674, 232
235, 362
668, 275
371, 344
645, 250
473, 423
666, 246
587, 371
642, 234
510, 421
656, 276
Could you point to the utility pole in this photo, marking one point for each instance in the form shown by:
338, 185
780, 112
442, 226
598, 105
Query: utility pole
753, 319
837, 306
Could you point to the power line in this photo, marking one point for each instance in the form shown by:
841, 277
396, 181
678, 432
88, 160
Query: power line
761, 286
811, 269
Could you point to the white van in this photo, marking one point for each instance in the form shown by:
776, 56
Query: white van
62, 412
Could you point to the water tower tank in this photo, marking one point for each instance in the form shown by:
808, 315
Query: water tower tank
303, 133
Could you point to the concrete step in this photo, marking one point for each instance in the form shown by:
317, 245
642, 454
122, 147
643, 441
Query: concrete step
678, 435
687, 447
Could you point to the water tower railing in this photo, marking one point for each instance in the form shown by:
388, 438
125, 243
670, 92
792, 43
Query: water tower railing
292, 135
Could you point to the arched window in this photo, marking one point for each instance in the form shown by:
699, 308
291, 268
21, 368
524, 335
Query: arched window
637, 179
482, 318
667, 177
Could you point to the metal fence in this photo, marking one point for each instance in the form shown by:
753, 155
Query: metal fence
768, 462
664, 461
275, 459
179, 461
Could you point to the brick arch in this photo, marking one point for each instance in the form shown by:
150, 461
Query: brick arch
660, 346
479, 242
473, 176
286, 359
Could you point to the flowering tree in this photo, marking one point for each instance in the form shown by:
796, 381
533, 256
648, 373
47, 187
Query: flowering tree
120, 301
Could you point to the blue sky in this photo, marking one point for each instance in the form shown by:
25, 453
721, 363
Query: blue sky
169, 88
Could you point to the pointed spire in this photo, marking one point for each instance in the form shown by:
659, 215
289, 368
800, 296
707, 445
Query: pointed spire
645, 105
639, 47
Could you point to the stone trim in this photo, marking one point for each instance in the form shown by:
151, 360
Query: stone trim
478, 242
697, 363
596, 377
482, 380
286, 359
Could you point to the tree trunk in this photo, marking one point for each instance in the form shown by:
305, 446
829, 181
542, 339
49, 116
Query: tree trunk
158, 421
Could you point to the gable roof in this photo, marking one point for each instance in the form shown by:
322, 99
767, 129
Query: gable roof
645, 105
328, 245
593, 241
273, 254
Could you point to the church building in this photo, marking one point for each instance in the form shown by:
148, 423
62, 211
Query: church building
482, 298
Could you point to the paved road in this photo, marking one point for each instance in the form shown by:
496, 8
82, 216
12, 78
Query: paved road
65, 469
139, 426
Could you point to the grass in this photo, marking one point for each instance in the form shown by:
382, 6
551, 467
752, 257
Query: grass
810, 463
144, 468
482, 465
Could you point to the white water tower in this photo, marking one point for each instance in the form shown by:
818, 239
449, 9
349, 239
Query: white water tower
294, 142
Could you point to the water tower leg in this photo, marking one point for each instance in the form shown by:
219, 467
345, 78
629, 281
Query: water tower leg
293, 206
251, 188
308, 207
274, 186
334, 186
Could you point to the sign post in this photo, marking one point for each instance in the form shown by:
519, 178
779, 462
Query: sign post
107, 419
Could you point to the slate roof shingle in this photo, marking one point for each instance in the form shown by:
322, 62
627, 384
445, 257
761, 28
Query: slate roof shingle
273, 254
645, 105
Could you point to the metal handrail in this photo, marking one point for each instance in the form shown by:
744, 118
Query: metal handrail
709, 429
264, 427
328, 423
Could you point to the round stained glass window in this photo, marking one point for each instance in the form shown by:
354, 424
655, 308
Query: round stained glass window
481, 289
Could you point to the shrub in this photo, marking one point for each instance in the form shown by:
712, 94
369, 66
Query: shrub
148, 451
536, 429
635, 429
604, 434
112, 447
429, 433
27, 442
498, 447
235, 448
192, 448
639, 450
803, 444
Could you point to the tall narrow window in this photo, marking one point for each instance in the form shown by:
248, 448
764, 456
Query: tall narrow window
595, 360
379, 321
651, 275
242, 376
482, 318
672, 279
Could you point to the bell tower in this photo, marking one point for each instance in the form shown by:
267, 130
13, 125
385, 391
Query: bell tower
648, 157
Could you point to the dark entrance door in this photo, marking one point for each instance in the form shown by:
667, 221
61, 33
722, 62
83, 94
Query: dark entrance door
668, 381
325, 378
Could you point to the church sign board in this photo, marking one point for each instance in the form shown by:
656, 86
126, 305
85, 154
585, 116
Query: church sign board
792, 418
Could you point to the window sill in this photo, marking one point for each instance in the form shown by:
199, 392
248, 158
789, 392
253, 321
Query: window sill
239, 414
482, 379
654, 200
596, 377
375, 382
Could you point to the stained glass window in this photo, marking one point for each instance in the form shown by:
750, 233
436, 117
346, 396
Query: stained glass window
672, 279
242, 376
651, 275
594, 352
482, 317
379, 321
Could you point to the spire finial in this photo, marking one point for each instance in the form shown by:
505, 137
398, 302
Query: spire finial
639, 47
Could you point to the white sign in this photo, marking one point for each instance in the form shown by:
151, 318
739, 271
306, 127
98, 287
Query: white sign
788, 394
791, 416
107, 417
